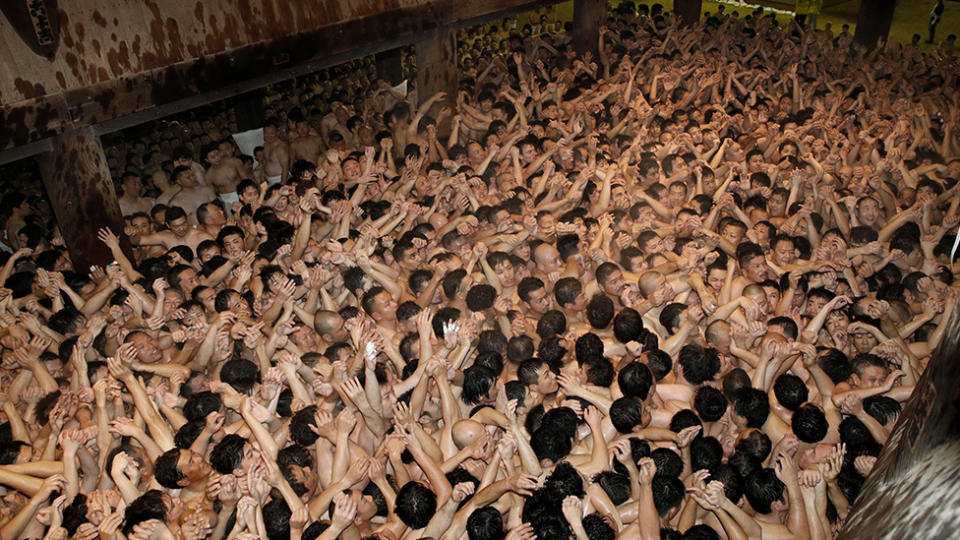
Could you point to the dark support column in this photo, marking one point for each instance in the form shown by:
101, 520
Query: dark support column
588, 17
437, 68
688, 10
874, 21
912, 492
78, 184
249, 109
390, 66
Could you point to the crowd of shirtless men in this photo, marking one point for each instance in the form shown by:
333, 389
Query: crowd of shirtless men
678, 289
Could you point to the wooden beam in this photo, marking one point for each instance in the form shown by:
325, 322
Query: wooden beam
437, 68
77, 179
123, 102
588, 17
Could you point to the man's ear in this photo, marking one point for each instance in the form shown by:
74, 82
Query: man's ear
779, 506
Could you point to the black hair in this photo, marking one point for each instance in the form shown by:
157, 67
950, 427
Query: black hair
635, 380
626, 413
165, 469
600, 311
481, 297
415, 505
668, 492
710, 403
699, 364
188, 433
705, 453
477, 383
302, 425
144, 508
753, 405
763, 488
615, 485
627, 325
809, 423
791, 391
756, 445
227, 455
485, 523
276, 519
200, 404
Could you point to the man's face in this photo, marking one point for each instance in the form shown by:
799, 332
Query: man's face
188, 280
539, 301
546, 381
784, 253
863, 342
142, 225
870, 377
147, 349
132, 186
238, 305
215, 216
716, 278
193, 466
814, 305
756, 269
179, 227
614, 284
506, 273
527, 154
773, 297
869, 212
187, 179
213, 157
351, 169
732, 234
385, 305
233, 245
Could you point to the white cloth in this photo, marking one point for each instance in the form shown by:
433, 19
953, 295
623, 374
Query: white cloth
272, 180
248, 140
228, 199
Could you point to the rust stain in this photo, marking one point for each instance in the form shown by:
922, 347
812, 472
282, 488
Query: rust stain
123, 55
98, 18
214, 40
113, 36
113, 59
176, 44
65, 26
78, 28
73, 62
102, 74
27, 89
198, 11
116, 21
247, 15
96, 46
231, 29
61, 80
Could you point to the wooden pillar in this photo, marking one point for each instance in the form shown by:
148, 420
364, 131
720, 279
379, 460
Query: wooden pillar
911, 491
688, 10
437, 70
81, 193
873, 22
588, 17
390, 66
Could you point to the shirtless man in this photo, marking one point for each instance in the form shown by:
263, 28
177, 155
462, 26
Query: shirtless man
276, 154
191, 194
182, 157
224, 174
306, 144
131, 201
178, 233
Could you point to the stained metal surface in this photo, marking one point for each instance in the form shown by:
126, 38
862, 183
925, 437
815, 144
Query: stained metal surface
913, 490
119, 57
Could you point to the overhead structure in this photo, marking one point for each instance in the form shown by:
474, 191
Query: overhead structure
119, 64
